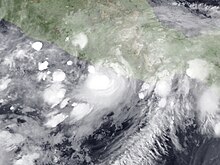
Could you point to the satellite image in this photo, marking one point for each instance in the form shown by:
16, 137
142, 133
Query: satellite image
109, 82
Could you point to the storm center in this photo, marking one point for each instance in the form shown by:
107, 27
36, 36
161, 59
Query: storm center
98, 81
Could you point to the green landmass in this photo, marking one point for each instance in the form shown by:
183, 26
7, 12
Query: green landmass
122, 31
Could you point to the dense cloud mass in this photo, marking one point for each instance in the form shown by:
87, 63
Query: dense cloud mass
60, 109
48, 114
